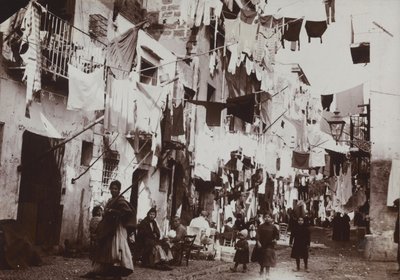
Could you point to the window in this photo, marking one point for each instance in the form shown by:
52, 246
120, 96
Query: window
110, 168
148, 76
86, 153
98, 27
1, 137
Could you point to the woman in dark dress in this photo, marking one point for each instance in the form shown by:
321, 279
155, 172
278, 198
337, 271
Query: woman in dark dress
337, 228
300, 243
346, 227
112, 255
267, 235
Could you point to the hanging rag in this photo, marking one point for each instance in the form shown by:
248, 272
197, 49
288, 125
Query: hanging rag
326, 101
231, 30
120, 106
315, 29
32, 56
394, 183
300, 160
265, 104
85, 91
213, 111
291, 31
177, 121
330, 10
247, 32
242, 107
166, 125
360, 53
148, 108
199, 12
347, 101
121, 53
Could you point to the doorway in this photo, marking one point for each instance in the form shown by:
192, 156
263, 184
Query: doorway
39, 209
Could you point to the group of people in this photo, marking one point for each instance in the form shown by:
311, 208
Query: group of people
267, 235
114, 235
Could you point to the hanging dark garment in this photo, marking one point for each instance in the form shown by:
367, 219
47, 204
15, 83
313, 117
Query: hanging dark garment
213, 114
267, 21
247, 16
291, 30
330, 10
326, 101
189, 93
337, 160
177, 123
360, 53
242, 107
166, 126
315, 29
300, 160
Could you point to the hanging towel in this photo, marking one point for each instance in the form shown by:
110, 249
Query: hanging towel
120, 106
300, 160
148, 108
177, 123
315, 29
242, 107
347, 101
121, 53
231, 30
85, 91
326, 101
394, 183
291, 30
247, 37
213, 111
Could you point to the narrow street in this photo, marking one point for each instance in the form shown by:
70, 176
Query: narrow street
328, 260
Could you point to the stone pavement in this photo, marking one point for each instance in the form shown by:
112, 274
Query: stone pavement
328, 260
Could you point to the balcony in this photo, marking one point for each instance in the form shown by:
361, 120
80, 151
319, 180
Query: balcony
60, 44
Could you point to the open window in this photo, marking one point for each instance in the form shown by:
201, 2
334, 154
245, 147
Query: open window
149, 61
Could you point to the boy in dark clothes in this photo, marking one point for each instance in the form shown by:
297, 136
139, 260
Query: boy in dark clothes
300, 243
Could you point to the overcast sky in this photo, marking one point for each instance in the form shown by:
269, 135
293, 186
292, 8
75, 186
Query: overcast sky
328, 65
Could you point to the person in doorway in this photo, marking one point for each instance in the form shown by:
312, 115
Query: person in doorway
267, 235
242, 252
300, 243
200, 221
346, 227
112, 256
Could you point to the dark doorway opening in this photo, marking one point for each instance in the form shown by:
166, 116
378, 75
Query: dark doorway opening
39, 209
137, 177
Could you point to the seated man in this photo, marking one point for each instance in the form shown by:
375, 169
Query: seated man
176, 242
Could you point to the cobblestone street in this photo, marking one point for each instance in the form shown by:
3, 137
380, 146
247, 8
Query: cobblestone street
328, 260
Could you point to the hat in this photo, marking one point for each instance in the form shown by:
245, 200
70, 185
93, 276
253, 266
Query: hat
243, 233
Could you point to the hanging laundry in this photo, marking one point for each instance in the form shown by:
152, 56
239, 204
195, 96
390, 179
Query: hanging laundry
31, 51
345, 186
199, 12
121, 53
242, 107
231, 30
330, 10
265, 107
291, 30
166, 125
300, 160
247, 32
285, 163
119, 115
394, 183
326, 101
315, 29
347, 101
264, 35
213, 111
85, 91
177, 123
360, 53
148, 107
271, 155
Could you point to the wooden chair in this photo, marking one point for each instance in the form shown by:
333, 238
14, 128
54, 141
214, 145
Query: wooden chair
283, 227
186, 248
229, 238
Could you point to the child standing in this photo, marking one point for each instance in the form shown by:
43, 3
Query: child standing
97, 215
300, 243
242, 251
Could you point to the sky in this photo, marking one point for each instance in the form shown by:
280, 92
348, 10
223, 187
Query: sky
328, 65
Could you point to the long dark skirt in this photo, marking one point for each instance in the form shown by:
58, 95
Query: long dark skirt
267, 257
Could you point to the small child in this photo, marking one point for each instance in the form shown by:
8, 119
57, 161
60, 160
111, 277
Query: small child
242, 251
97, 215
